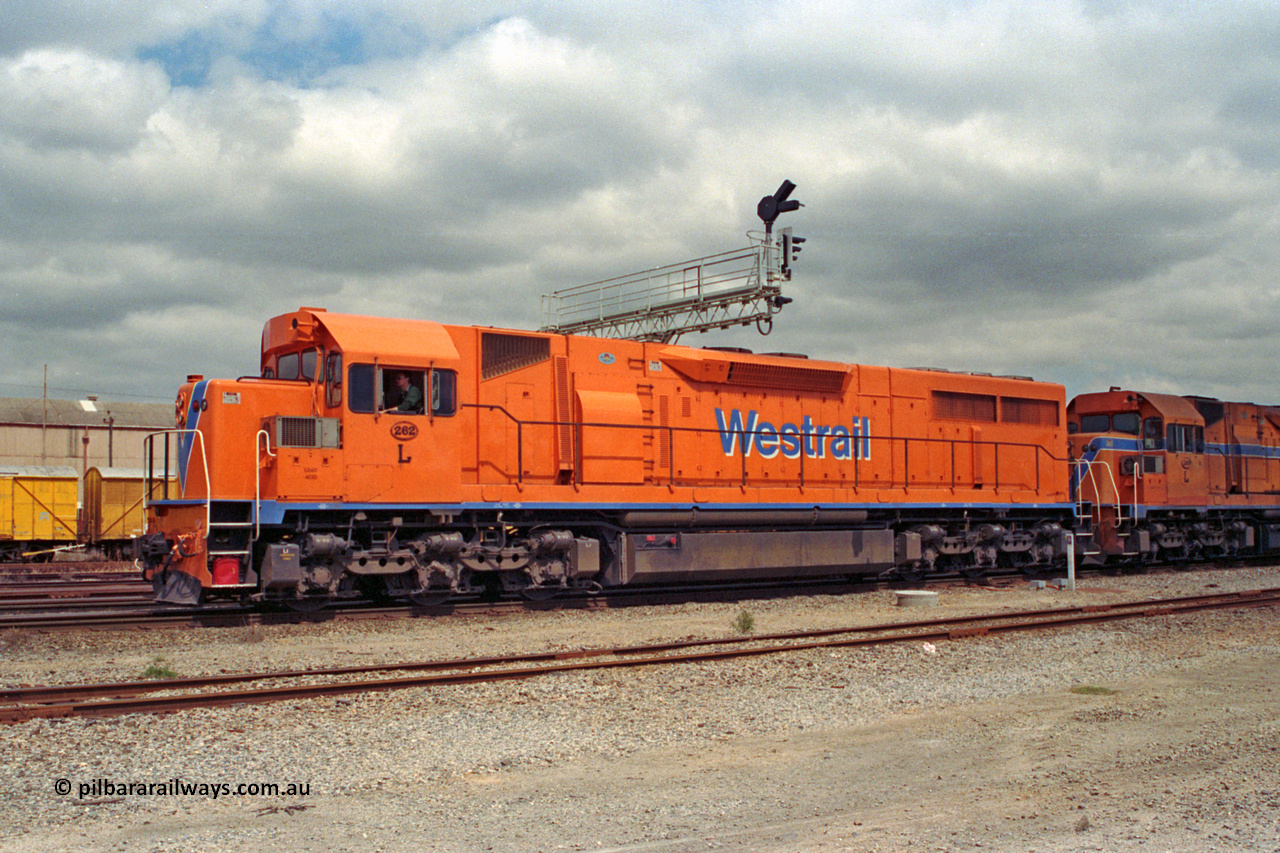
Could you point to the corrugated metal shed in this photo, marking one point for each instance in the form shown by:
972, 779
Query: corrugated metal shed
38, 471
81, 434
35, 411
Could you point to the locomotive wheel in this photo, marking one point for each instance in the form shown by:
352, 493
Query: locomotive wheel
373, 589
974, 573
305, 604
539, 593
913, 573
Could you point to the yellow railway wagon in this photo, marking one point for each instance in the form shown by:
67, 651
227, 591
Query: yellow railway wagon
113, 505
38, 508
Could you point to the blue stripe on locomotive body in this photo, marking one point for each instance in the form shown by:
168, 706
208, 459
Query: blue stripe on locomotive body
273, 512
187, 440
1143, 510
1133, 445
1096, 446
1252, 451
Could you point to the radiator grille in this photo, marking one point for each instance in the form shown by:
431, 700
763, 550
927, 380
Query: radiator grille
957, 406
1021, 410
501, 353
297, 432
790, 378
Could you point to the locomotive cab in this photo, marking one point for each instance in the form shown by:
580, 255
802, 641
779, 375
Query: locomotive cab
339, 413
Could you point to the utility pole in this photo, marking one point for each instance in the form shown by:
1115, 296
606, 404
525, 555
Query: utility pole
44, 419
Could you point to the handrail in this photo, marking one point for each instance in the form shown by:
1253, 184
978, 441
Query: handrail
257, 481
519, 432
1089, 465
148, 443
749, 435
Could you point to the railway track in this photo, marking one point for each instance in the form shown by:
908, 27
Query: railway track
104, 700
106, 604
87, 613
70, 570
61, 592
61, 596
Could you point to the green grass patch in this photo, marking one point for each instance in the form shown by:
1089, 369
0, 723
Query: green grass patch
159, 668
1092, 690
744, 622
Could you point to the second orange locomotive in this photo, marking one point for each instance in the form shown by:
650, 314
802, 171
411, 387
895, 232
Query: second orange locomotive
1172, 478
414, 459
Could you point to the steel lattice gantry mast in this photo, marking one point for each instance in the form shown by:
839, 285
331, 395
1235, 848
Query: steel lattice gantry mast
735, 288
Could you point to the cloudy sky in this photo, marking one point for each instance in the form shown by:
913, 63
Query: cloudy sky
1087, 192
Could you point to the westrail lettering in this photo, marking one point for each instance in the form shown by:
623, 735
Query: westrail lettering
816, 441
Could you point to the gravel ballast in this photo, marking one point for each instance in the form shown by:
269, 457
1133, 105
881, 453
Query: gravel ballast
1170, 742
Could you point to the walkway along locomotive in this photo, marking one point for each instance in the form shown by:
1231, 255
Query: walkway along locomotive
418, 460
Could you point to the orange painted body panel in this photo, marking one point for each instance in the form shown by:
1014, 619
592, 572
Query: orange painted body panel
390, 421
620, 422
644, 430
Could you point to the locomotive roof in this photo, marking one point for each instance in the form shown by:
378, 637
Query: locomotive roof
1169, 405
391, 338
1173, 406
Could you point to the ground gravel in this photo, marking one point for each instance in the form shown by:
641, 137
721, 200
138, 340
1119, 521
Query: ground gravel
972, 744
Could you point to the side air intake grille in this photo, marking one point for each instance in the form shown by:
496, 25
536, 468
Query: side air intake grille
501, 353
306, 432
958, 406
1020, 410
791, 378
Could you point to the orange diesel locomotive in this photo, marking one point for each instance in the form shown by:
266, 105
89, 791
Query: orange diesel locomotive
416, 460
1174, 478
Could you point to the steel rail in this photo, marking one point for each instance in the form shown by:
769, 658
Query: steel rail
59, 604
71, 589
148, 615
21, 704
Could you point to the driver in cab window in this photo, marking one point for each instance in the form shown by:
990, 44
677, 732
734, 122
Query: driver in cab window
406, 397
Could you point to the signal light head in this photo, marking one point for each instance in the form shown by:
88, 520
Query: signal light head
780, 202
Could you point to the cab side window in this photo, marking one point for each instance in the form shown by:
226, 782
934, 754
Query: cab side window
333, 373
444, 392
1152, 431
360, 387
1184, 438
402, 390
392, 390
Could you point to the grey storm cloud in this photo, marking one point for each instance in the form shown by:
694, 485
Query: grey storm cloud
1082, 191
